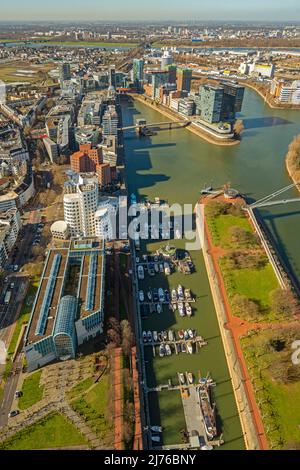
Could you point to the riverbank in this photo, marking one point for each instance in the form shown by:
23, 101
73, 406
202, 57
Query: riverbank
168, 113
294, 174
291, 173
267, 99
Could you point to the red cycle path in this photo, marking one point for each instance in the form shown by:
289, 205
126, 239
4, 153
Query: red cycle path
118, 399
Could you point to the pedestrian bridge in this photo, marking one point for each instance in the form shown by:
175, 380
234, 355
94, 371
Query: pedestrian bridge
166, 124
268, 201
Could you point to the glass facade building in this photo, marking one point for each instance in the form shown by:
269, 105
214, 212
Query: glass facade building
69, 306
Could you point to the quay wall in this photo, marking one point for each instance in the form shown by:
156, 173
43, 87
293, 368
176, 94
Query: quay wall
196, 130
282, 272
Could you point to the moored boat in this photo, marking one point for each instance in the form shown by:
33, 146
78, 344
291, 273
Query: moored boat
141, 296
191, 333
156, 428
208, 411
174, 295
149, 336
168, 350
189, 346
161, 295
141, 273
155, 336
162, 350
144, 336
181, 309
171, 335
190, 377
188, 309
182, 378
181, 334
187, 294
167, 269
180, 293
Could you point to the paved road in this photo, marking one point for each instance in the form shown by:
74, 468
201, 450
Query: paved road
8, 313
9, 390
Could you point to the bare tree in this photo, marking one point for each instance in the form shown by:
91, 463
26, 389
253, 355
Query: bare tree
127, 337
238, 127
244, 307
114, 337
284, 302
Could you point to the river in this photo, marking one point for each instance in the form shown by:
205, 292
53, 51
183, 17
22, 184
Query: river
175, 165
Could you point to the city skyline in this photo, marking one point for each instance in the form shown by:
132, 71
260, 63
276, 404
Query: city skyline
269, 10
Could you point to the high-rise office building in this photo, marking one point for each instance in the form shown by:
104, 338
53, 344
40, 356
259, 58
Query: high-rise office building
86, 159
110, 122
220, 103
211, 99
172, 71
64, 72
184, 80
232, 100
158, 79
138, 72
112, 76
80, 208
167, 59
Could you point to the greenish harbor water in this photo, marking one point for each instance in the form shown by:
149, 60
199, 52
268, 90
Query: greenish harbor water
174, 165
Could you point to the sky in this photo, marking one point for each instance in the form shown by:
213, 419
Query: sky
97, 10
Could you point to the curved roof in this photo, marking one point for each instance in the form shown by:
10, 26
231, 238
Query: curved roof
66, 316
59, 226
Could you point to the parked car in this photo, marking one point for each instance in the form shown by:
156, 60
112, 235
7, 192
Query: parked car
18, 394
13, 413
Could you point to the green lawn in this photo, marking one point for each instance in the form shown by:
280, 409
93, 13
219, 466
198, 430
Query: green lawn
32, 391
80, 388
287, 404
55, 431
278, 400
93, 405
256, 284
224, 222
